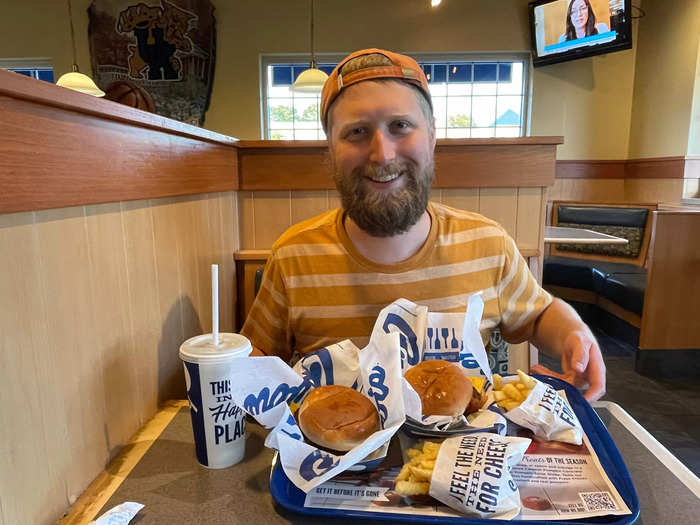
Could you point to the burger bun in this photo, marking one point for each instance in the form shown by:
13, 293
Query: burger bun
336, 417
443, 387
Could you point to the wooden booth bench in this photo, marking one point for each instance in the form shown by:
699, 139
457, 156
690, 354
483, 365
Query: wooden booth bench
645, 292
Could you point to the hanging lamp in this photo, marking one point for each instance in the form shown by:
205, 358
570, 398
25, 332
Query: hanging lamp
75, 80
312, 79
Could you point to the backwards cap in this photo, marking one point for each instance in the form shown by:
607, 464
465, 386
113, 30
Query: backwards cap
402, 68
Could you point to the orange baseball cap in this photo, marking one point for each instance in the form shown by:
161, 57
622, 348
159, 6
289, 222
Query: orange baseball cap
402, 67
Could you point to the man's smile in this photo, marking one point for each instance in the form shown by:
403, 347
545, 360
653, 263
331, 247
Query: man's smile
384, 178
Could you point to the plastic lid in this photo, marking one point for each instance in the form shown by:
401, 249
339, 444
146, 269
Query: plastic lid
201, 348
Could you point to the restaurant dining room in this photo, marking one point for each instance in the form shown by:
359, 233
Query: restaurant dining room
322, 261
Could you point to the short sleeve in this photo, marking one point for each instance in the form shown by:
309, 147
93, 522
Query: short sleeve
520, 297
267, 324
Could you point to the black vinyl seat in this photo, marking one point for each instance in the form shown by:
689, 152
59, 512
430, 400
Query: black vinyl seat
583, 274
625, 290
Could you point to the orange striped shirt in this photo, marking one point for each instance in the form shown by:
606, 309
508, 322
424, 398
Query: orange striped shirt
318, 290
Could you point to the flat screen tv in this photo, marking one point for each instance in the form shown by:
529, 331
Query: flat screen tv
571, 29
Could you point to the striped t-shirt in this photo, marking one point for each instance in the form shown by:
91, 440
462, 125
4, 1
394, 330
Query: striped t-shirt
317, 289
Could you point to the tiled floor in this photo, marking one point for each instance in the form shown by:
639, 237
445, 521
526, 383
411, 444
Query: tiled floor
669, 410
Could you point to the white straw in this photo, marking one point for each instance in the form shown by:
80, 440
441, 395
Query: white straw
215, 302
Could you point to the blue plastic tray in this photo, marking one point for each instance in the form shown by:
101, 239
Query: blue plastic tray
290, 497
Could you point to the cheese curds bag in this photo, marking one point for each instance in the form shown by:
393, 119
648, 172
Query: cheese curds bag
472, 475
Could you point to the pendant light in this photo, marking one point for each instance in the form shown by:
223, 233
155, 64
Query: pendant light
311, 80
75, 80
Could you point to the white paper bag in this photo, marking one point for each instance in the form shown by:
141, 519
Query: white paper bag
453, 337
547, 413
265, 387
472, 475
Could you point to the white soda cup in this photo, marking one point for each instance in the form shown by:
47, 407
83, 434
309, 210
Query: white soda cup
218, 424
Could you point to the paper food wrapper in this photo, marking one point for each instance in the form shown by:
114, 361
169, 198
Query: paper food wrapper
547, 413
453, 337
472, 475
119, 515
265, 387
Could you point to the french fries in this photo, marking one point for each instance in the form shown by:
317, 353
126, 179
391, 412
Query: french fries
414, 478
510, 395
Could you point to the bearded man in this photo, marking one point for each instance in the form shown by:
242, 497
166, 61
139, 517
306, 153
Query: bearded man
328, 277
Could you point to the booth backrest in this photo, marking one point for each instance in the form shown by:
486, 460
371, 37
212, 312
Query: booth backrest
630, 221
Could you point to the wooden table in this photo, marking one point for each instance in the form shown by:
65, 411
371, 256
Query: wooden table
159, 469
564, 235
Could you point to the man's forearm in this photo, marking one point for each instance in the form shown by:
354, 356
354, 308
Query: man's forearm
554, 325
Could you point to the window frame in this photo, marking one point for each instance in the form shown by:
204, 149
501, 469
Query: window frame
266, 60
36, 64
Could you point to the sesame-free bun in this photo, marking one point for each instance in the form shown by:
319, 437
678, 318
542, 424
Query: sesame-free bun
337, 417
443, 387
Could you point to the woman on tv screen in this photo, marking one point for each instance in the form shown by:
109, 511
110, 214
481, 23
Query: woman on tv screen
581, 21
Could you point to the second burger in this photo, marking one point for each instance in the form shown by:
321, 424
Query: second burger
444, 388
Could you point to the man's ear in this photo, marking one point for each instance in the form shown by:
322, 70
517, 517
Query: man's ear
433, 137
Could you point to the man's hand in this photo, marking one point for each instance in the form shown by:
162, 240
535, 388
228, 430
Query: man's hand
560, 331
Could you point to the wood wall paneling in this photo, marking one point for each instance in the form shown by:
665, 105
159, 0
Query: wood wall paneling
273, 166
529, 218
493, 165
168, 262
500, 204
272, 216
85, 160
655, 168
108, 279
33, 429
459, 163
590, 169
588, 190
461, 198
96, 301
246, 220
227, 267
74, 339
308, 203
144, 300
334, 199
672, 296
653, 190
47, 94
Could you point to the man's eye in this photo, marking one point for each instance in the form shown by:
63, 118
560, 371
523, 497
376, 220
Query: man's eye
356, 132
402, 125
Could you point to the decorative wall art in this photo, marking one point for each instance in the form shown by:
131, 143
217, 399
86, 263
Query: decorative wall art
156, 55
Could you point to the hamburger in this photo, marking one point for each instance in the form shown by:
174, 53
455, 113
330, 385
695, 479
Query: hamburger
337, 418
444, 388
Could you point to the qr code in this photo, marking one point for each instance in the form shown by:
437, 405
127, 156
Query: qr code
598, 501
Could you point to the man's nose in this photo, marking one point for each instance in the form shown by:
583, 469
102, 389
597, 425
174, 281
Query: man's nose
382, 148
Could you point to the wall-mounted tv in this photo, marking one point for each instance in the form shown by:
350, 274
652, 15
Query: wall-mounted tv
570, 29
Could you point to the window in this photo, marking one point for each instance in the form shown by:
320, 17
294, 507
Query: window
484, 96
39, 68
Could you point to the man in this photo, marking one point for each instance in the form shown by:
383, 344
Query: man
328, 277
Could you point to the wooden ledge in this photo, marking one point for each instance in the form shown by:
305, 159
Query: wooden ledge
62, 148
262, 255
271, 165
503, 141
22, 87
252, 255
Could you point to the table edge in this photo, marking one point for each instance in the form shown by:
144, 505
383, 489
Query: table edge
671, 462
94, 497
582, 240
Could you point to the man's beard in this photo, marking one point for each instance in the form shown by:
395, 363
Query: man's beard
385, 213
